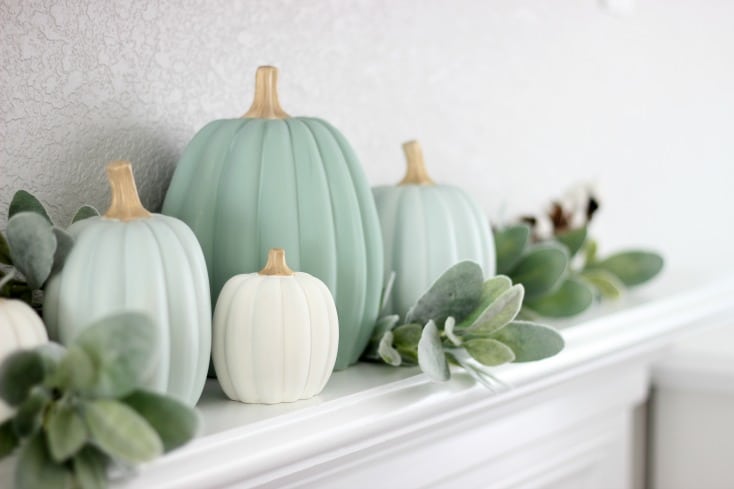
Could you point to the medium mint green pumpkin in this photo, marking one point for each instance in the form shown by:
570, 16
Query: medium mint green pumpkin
426, 229
268, 180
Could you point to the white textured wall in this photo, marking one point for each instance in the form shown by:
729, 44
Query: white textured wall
514, 100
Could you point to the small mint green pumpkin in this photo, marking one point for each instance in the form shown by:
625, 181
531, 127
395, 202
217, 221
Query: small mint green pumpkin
426, 229
131, 260
268, 180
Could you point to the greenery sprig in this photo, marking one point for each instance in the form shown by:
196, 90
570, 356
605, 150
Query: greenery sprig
33, 247
465, 321
80, 411
560, 270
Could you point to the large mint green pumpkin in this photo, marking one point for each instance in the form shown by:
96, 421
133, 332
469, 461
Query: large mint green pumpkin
426, 229
131, 260
268, 180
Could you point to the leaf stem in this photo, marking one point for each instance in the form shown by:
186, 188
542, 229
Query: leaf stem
6, 279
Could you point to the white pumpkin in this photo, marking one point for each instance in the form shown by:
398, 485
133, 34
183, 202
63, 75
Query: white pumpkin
20, 328
132, 260
275, 335
426, 229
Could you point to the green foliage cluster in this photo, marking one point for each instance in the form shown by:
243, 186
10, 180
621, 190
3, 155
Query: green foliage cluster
466, 321
33, 248
79, 410
556, 287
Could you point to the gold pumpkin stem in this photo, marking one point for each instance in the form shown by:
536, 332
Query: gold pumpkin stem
265, 104
415, 173
276, 264
125, 204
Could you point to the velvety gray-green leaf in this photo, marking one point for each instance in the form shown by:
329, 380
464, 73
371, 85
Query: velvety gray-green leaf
19, 373
121, 349
632, 267
65, 431
541, 269
8, 438
431, 357
450, 331
64, 243
84, 212
32, 246
456, 293
37, 470
530, 341
4, 251
90, 469
606, 283
25, 202
500, 312
387, 351
509, 243
382, 326
489, 352
572, 239
121, 432
407, 335
175, 422
571, 298
28, 418
590, 251
491, 290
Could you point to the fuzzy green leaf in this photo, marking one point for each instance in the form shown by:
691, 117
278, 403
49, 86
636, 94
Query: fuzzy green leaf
75, 371
491, 289
37, 470
449, 330
541, 269
632, 267
382, 326
590, 251
606, 283
121, 432
25, 202
19, 373
65, 431
121, 348
431, 357
573, 239
387, 351
571, 298
456, 293
509, 244
407, 335
500, 312
489, 352
175, 422
84, 212
32, 246
28, 418
64, 243
530, 341
9, 441
90, 468
4, 251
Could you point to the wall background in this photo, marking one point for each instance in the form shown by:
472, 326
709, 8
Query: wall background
514, 100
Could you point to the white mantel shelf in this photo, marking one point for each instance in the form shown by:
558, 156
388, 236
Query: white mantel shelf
562, 424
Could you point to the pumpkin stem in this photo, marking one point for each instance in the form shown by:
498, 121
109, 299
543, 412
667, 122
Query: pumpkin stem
265, 105
415, 173
125, 204
276, 264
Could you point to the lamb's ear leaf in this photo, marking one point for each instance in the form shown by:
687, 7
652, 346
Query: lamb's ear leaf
84, 212
24, 201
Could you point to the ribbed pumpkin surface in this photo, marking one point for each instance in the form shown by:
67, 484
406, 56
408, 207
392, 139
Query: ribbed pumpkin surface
247, 185
427, 229
153, 265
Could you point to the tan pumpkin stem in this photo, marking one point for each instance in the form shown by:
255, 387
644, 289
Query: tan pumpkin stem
125, 204
415, 173
265, 104
276, 264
